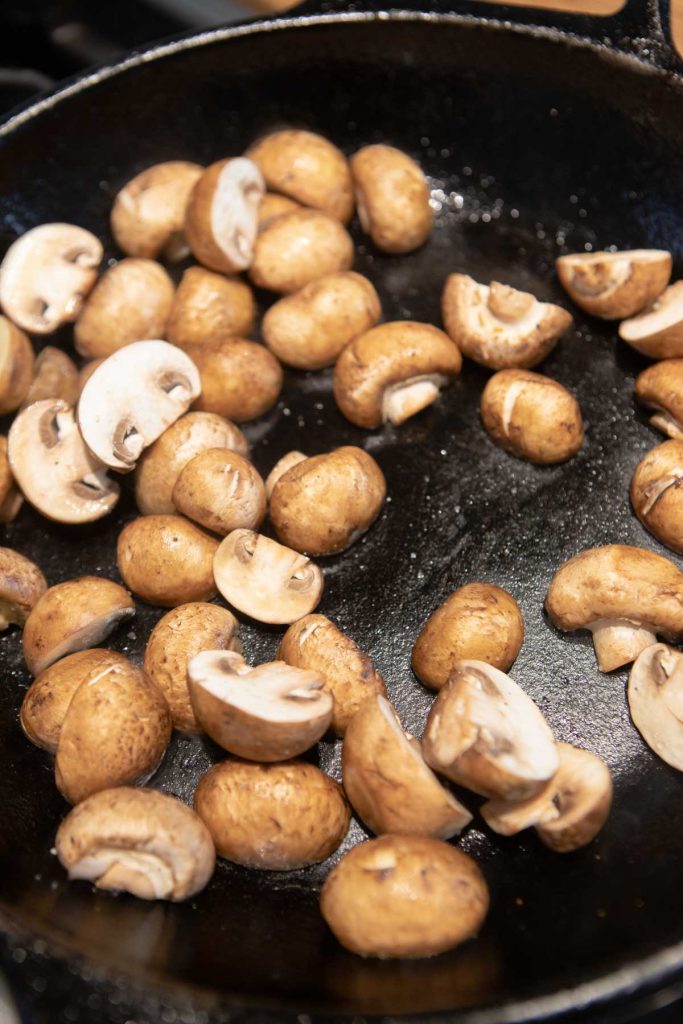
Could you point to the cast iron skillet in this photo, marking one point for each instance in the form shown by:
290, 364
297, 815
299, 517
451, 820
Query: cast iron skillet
538, 141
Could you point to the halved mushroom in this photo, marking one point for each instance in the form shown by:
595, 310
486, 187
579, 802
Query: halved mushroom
11, 498
614, 285
268, 713
132, 397
22, 584
297, 248
624, 595
137, 840
655, 699
208, 308
266, 580
657, 331
167, 560
240, 379
568, 812
387, 781
222, 215
498, 326
53, 467
660, 388
46, 275
287, 461
485, 733
657, 494
221, 491
55, 376
16, 366
393, 372
148, 215
392, 195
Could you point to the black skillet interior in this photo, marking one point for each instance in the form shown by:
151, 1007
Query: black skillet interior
534, 148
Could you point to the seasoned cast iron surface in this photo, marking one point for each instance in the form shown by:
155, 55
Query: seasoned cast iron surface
525, 164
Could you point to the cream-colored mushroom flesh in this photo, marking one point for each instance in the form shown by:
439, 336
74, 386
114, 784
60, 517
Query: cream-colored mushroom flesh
655, 698
664, 315
408, 397
613, 285
234, 211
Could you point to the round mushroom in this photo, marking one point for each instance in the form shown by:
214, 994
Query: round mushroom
656, 493
660, 388
11, 498
297, 248
274, 205
392, 196
531, 416
479, 622
148, 215
240, 379
287, 462
657, 331
272, 817
221, 491
393, 372
22, 584
614, 285
222, 215
55, 376
167, 560
655, 699
208, 308
16, 366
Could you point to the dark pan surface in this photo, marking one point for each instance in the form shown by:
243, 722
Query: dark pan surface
534, 149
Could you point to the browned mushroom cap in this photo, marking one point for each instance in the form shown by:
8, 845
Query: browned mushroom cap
287, 462
656, 493
148, 215
11, 498
479, 622
498, 326
266, 580
624, 595
297, 248
273, 205
22, 584
531, 416
55, 376
655, 698
613, 285
16, 366
268, 713
387, 781
240, 379
485, 733
393, 198
72, 616
657, 331
404, 896
221, 491
568, 812
174, 641
167, 560
222, 215
315, 643
131, 301
308, 168
208, 308
660, 388
310, 328
273, 817
46, 274
137, 840
324, 504
393, 372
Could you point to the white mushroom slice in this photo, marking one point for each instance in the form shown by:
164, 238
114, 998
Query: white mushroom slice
485, 733
613, 285
658, 331
408, 397
132, 397
655, 698
222, 216
269, 713
46, 274
53, 467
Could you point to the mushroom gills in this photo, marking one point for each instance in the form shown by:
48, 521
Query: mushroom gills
618, 641
406, 398
110, 867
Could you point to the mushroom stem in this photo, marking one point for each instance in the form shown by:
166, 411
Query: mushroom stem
408, 397
143, 874
618, 642
667, 424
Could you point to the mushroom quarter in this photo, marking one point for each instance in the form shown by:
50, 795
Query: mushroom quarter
660, 389
392, 196
167, 560
295, 249
657, 493
657, 331
148, 215
16, 366
221, 220
655, 698
22, 584
208, 307
222, 491
240, 380
614, 285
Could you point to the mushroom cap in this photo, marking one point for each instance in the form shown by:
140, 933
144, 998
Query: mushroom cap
222, 215
139, 840
387, 781
479, 622
54, 468
657, 494
273, 817
324, 504
274, 205
71, 616
660, 387
315, 643
55, 376
209, 307
280, 468
22, 584
174, 641
655, 699
266, 580
45, 275
148, 215
16, 366
404, 896
498, 326
657, 331
485, 733
387, 359
392, 195
297, 248
167, 560
221, 491
268, 713
240, 379
7, 485
614, 285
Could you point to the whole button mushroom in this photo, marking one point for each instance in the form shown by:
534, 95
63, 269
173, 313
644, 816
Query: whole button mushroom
404, 897
287, 462
324, 504
240, 379
139, 841
479, 622
55, 376
387, 781
209, 307
72, 616
274, 205
308, 168
393, 372
16, 366
655, 699
167, 560
392, 196
614, 285
624, 595
221, 491
656, 493
498, 326
222, 215
486, 734
46, 275
531, 416
657, 331
660, 388
310, 328
295, 249
315, 643
272, 817
22, 584
148, 215
268, 713
11, 498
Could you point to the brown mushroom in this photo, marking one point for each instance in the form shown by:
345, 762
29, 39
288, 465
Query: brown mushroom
240, 379
657, 331
148, 215
274, 205
656, 493
660, 388
222, 215
392, 195
11, 498
22, 584
655, 699
614, 285
167, 560
16, 366
287, 462
221, 491
208, 308
55, 377
295, 249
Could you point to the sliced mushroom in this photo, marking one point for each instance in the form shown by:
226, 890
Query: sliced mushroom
392, 195
208, 308
655, 698
46, 275
221, 491
287, 462
222, 215
485, 733
22, 584
657, 494
148, 215
657, 331
55, 376
274, 205
660, 388
132, 397
624, 595
266, 580
53, 467
268, 713
167, 560
240, 379
614, 285
16, 366
295, 249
